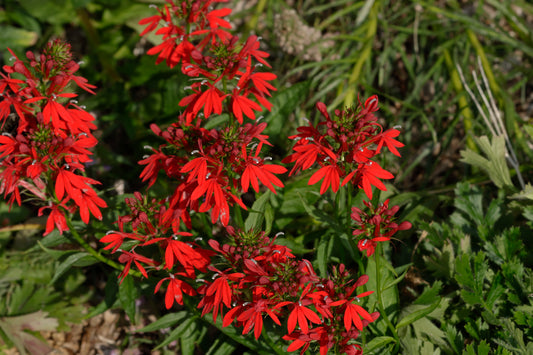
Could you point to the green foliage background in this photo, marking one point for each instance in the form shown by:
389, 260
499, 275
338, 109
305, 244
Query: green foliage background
462, 281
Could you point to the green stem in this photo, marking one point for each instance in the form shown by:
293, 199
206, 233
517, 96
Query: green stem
83, 243
381, 308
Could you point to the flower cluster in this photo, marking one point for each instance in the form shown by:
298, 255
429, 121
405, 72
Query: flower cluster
46, 136
250, 277
343, 146
214, 166
247, 279
378, 225
262, 279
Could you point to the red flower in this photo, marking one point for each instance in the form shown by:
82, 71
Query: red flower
256, 170
370, 244
300, 314
175, 290
368, 174
77, 188
219, 292
189, 255
241, 104
132, 257
115, 239
387, 139
331, 174
56, 218
210, 99
353, 311
252, 317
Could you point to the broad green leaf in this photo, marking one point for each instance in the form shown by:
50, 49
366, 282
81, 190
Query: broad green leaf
399, 278
166, 321
128, 294
283, 104
178, 332
221, 347
81, 258
12, 37
377, 342
52, 11
324, 249
51, 240
257, 212
189, 339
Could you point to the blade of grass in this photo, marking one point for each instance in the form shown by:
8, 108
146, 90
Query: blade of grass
463, 103
363, 55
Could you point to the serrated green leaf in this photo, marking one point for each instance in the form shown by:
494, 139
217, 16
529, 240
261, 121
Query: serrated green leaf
429, 295
495, 292
525, 194
495, 164
414, 316
166, 321
463, 271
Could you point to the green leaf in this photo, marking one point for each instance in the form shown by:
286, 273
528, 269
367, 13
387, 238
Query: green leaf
51, 240
166, 321
189, 339
12, 37
257, 212
283, 104
495, 292
221, 347
494, 164
323, 253
52, 11
128, 294
525, 194
414, 316
430, 294
78, 259
397, 280
377, 343
178, 332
